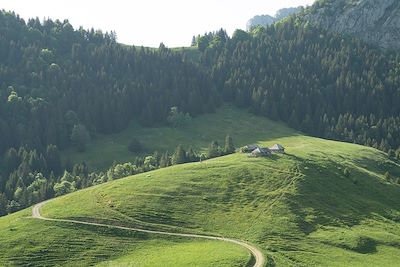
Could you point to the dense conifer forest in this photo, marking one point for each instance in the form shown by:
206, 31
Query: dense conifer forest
60, 86
323, 84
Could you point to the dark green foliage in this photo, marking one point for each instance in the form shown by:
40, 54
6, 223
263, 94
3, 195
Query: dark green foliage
54, 77
398, 154
3, 204
179, 156
346, 173
64, 187
320, 83
229, 146
135, 146
191, 155
165, 160
214, 150
177, 118
392, 154
388, 177
80, 137
53, 159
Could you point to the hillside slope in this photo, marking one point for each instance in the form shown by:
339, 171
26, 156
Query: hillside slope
300, 208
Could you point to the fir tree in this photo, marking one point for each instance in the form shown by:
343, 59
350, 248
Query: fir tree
179, 156
229, 147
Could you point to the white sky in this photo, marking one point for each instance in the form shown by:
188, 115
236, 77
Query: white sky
149, 22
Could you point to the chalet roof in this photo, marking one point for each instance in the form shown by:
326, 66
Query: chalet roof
252, 146
262, 150
277, 147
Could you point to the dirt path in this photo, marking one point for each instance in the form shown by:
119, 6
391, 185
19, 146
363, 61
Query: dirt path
259, 257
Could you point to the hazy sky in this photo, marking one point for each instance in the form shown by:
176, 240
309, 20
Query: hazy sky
149, 22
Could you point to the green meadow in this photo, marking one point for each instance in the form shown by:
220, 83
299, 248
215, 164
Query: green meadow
243, 126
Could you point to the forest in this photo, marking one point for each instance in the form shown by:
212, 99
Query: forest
323, 84
61, 86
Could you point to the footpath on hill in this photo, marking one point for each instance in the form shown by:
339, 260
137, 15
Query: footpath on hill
257, 254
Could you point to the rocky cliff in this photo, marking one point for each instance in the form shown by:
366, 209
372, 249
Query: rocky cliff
374, 21
266, 20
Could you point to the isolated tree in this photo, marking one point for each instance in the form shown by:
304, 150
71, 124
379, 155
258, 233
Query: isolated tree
229, 147
193, 43
80, 137
179, 156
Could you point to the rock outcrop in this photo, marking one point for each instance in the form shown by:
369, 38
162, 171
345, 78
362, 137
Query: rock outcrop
266, 20
374, 21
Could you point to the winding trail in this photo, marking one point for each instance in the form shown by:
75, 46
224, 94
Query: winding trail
259, 257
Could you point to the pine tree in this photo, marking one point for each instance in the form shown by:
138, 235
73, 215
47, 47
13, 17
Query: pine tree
179, 156
3, 204
191, 155
80, 137
53, 159
229, 147
214, 150
165, 160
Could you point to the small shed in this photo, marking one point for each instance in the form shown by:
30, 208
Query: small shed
249, 148
277, 148
261, 152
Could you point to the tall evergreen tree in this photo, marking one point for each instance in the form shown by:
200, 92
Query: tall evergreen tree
229, 146
179, 156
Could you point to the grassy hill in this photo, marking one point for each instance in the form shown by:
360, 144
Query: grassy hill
301, 209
